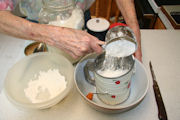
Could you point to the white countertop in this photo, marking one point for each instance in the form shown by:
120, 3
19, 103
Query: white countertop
160, 46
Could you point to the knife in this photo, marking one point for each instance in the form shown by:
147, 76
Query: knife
161, 108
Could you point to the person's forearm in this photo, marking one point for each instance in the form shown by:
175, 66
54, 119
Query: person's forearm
75, 42
18, 27
127, 9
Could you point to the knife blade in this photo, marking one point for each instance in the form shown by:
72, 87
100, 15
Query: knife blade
162, 115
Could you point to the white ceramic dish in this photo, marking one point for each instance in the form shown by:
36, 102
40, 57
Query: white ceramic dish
24, 70
98, 24
139, 88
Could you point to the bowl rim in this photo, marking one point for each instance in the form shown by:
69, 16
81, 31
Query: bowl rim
45, 104
111, 107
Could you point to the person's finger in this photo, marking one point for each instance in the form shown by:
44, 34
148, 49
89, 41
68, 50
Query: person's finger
96, 47
67, 49
97, 40
100, 42
71, 53
96, 44
138, 56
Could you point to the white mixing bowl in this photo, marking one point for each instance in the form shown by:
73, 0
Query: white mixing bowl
24, 70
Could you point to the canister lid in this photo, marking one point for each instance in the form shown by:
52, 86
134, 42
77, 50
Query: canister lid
98, 24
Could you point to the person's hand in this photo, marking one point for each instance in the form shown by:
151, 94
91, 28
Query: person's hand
138, 55
77, 43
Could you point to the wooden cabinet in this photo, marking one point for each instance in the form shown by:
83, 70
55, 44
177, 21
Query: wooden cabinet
159, 24
105, 9
146, 17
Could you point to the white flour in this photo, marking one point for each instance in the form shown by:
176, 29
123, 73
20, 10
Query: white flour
120, 48
75, 21
111, 66
46, 86
112, 73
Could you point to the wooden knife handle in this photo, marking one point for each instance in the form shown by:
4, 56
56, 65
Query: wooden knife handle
161, 108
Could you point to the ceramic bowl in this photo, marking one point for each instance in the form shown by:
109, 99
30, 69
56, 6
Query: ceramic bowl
139, 88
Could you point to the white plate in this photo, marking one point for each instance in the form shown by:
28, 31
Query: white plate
139, 87
98, 24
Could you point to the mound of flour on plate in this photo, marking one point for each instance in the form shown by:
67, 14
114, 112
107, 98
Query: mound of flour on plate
47, 85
